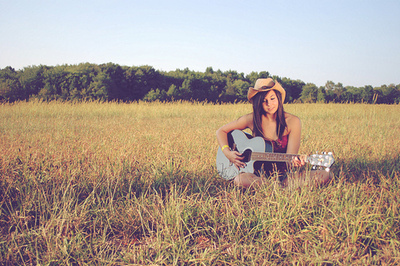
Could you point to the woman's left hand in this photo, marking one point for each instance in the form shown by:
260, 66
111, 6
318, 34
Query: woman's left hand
298, 161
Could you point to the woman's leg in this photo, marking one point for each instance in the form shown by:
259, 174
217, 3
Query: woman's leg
246, 180
321, 177
315, 177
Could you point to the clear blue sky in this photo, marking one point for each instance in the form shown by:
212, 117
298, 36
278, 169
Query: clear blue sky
353, 42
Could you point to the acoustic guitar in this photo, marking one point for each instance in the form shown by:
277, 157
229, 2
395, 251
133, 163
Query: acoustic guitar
257, 150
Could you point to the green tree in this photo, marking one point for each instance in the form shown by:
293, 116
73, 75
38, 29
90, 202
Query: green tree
241, 88
185, 90
293, 88
366, 94
32, 79
309, 93
335, 91
173, 92
263, 74
321, 95
387, 94
10, 87
98, 89
397, 97
252, 77
115, 81
154, 95
209, 70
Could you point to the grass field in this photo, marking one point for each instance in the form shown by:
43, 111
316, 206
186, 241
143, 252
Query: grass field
117, 184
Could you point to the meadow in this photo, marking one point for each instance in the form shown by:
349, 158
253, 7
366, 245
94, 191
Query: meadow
135, 184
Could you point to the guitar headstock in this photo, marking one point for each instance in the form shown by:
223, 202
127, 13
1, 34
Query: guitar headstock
323, 160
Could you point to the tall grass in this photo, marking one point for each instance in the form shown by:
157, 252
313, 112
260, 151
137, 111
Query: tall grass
116, 184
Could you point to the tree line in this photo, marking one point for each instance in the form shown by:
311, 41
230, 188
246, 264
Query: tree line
112, 82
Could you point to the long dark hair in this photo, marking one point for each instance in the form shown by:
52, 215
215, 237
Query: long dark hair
258, 112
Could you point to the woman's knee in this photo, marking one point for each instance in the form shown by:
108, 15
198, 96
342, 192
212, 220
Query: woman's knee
245, 180
322, 177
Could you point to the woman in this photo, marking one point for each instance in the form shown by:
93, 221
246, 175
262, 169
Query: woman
269, 121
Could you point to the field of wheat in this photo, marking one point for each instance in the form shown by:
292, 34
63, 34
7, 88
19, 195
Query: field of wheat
116, 184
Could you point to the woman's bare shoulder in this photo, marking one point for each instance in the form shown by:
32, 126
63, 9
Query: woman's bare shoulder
243, 122
292, 120
247, 117
247, 120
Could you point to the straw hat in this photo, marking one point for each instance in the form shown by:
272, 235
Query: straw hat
265, 85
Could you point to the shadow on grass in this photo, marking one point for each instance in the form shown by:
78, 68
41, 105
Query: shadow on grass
357, 170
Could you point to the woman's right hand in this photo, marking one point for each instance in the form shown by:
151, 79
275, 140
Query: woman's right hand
235, 158
222, 137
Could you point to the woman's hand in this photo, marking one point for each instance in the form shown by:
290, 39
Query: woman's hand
235, 158
298, 161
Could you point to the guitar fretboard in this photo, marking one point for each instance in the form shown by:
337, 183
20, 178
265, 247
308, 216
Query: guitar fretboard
273, 157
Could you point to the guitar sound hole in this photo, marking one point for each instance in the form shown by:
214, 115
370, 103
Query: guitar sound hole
247, 156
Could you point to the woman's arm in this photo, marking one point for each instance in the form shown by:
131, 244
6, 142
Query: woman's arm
294, 128
242, 123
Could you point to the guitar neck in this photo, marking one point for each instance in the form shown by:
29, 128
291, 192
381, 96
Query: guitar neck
273, 157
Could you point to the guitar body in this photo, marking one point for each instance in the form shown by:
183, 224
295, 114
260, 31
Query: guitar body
245, 144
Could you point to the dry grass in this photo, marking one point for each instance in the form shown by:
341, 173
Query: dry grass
107, 183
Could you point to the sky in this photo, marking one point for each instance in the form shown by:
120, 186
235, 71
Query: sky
354, 42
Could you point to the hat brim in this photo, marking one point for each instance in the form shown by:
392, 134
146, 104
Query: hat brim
253, 91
